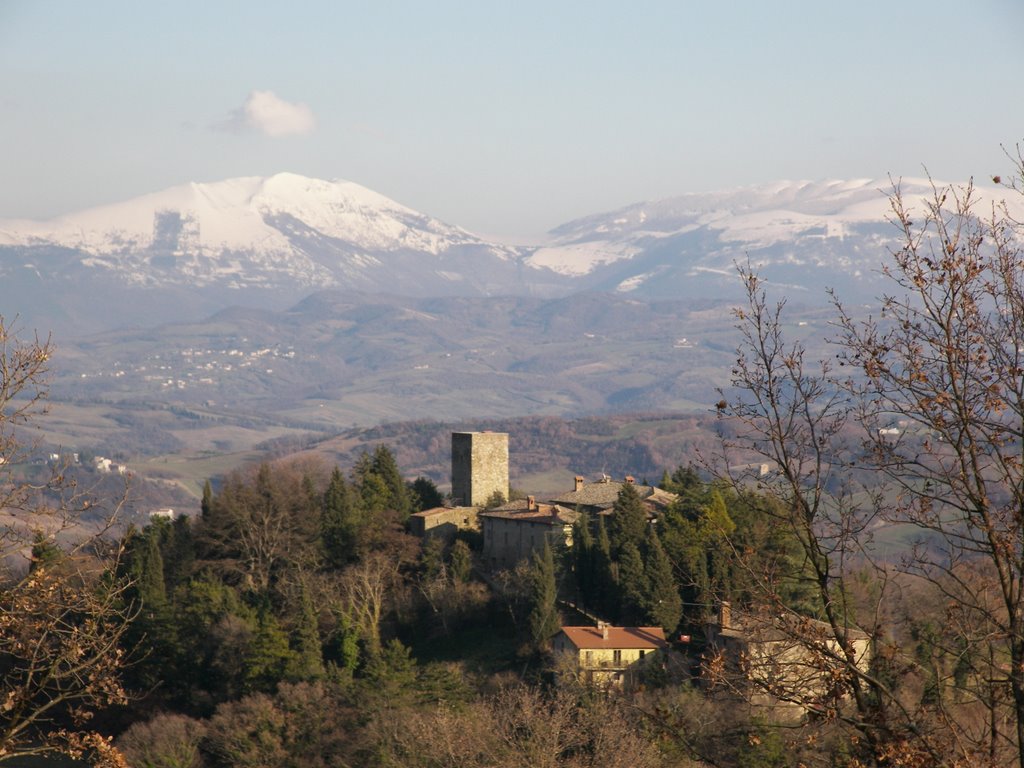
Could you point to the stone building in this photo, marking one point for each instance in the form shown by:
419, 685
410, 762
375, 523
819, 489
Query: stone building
444, 522
780, 660
516, 530
479, 467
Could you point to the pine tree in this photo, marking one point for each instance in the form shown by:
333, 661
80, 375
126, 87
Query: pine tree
385, 467
663, 606
543, 618
269, 656
45, 552
424, 494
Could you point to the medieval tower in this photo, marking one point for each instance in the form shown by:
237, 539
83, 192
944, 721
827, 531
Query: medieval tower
479, 466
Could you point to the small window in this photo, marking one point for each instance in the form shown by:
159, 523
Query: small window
642, 654
617, 657
588, 658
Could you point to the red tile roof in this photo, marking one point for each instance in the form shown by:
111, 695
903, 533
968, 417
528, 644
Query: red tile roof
618, 637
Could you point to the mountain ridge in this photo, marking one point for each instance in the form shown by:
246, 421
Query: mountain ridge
269, 241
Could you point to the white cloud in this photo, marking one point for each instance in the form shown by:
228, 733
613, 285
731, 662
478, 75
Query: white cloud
269, 114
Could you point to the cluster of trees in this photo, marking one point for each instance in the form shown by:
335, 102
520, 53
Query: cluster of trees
289, 571
674, 573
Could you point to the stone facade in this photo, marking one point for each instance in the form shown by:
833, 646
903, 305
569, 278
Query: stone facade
479, 466
515, 531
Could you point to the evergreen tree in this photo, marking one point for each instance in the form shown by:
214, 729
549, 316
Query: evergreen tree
342, 648
663, 606
424, 494
307, 661
694, 532
149, 582
461, 561
152, 636
213, 630
45, 552
633, 586
543, 618
207, 503
179, 553
583, 557
386, 468
628, 520
269, 656
340, 522
605, 588
374, 496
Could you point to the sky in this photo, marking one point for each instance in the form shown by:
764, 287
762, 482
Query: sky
506, 118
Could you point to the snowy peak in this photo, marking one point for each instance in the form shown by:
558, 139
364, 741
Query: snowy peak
703, 227
233, 215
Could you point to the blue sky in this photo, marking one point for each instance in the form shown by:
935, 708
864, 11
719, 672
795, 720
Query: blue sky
505, 118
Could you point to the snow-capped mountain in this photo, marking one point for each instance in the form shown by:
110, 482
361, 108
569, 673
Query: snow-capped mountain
194, 249
285, 228
801, 235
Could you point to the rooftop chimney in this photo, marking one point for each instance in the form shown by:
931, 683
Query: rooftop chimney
579, 484
630, 479
602, 626
531, 503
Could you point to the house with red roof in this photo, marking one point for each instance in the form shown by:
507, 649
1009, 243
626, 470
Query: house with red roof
607, 656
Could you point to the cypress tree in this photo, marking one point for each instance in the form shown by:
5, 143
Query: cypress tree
543, 619
150, 585
662, 607
633, 587
583, 557
628, 520
604, 586
207, 503
179, 549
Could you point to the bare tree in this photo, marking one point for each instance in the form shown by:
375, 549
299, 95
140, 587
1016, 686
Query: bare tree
788, 413
61, 622
944, 363
366, 586
926, 401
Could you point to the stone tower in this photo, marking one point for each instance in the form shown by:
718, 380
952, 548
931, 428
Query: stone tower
479, 466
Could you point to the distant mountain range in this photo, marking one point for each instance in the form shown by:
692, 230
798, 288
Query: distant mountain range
192, 250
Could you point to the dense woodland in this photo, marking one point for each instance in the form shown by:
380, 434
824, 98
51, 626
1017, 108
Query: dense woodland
293, 622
